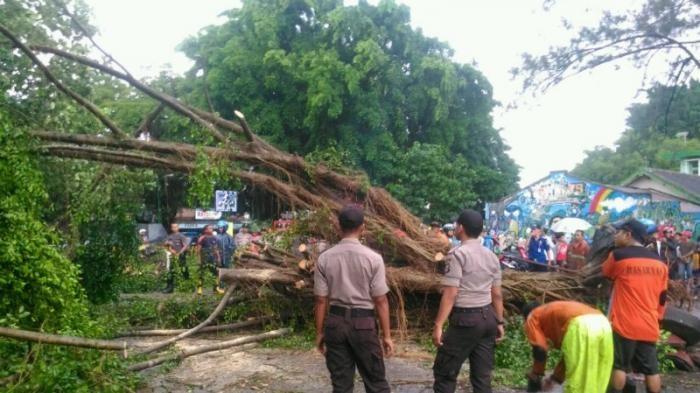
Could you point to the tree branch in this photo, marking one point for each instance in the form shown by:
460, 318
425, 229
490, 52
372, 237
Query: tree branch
60, 86
220, 307
208, 329
116, 157
679, 45
209, 348
149, 119
60, 4
244, 125
46, 338
168, 100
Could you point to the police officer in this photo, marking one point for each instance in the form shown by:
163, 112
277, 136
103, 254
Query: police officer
472, 299
350, 284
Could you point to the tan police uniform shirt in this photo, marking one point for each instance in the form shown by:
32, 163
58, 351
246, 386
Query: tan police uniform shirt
350, 275
474, 269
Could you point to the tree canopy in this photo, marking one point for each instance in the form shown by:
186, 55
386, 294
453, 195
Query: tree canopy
650, 138
663, 31
317, 74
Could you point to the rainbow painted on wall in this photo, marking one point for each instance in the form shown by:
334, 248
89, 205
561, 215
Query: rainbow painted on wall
596, 205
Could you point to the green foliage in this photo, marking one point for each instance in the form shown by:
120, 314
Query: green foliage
333, 157
208, 175
433, 183
108, 237
40, 287
95, 207
140, 274
650, 139
662, 351
301, 338
605, 165
44, 368
35, 277
514, 356
353, 84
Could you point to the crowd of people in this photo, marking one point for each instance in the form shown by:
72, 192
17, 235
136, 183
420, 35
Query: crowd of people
597, 350
545, 250
214, 248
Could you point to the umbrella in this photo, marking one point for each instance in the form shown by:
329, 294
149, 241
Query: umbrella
570, 225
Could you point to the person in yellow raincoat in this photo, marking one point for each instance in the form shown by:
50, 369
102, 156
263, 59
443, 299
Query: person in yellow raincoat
585, 338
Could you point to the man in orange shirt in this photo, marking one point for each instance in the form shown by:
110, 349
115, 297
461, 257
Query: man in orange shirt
640, 279
585, 338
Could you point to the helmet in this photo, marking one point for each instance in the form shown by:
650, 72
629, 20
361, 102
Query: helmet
222, 224
650, 224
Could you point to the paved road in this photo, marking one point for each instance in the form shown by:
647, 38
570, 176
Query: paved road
282, 370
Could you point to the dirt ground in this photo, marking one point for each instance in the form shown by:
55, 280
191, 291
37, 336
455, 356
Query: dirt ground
283, 370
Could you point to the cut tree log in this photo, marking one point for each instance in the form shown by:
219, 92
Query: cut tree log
55, 339
222, 304
208, 329
516, 285
209, 348
258, 276
304, 265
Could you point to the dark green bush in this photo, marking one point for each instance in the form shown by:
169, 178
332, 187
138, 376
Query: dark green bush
41, 288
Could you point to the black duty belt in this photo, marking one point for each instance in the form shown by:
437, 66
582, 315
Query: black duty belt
469, 310
351, 312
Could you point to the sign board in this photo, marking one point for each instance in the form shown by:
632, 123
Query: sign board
201, 214
226, 201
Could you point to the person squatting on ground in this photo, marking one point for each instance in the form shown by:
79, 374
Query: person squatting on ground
349, 285
472, 299
585, 338
209, 257
640, 279
176, 244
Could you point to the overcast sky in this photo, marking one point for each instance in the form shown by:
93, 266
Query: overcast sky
547, 132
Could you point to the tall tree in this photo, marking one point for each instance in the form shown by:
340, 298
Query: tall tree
314, 74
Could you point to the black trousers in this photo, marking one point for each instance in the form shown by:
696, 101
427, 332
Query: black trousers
351, 343
470, 335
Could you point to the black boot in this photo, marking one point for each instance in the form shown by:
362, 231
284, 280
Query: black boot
171, 283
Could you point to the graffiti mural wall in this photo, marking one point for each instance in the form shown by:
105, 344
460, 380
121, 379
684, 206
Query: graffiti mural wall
562, 195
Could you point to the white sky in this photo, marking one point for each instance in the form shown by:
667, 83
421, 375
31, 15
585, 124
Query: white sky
547, 132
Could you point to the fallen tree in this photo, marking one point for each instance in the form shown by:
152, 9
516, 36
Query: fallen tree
409, 250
